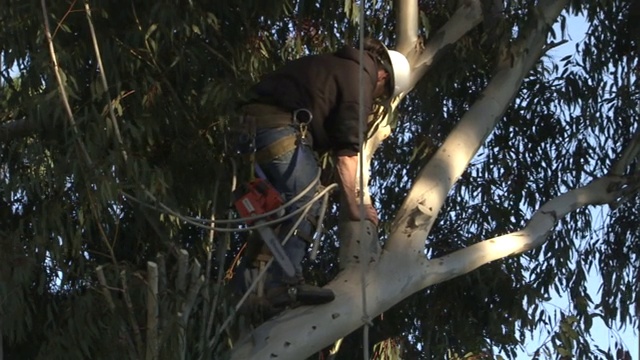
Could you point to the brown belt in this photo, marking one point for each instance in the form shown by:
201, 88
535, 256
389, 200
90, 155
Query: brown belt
263, 116
267, 116
276, 149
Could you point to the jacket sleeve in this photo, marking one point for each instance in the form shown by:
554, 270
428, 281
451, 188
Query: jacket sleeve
344, 123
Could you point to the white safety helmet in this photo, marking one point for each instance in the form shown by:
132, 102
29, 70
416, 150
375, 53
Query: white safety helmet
400, 72
392, 62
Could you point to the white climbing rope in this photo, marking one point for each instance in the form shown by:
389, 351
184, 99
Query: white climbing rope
200, 222
363, 255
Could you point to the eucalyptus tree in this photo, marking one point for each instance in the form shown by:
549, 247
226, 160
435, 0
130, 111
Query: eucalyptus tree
116, 130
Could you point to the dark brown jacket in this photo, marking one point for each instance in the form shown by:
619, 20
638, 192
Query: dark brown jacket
327, 85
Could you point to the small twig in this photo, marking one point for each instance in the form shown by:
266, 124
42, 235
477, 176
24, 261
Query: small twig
181, 287
64, 17
135, 350
130, 346
152, 311
63, 92
8, 81
195, 272
220, 256
132, 318
552, 45
105, 288
103, 77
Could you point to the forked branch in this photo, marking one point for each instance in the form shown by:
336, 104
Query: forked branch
600, 191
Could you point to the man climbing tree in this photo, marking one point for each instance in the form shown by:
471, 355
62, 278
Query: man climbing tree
498, 148
312, 105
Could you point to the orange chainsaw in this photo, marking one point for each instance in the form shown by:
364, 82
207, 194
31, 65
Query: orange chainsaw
256, 198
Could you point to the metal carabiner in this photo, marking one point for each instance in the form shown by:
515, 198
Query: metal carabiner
302, 121
307, 117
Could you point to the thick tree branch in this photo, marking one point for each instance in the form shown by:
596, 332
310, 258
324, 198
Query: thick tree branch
407, 24
396, 278
421, 206
468, 16
600, 191
465, 18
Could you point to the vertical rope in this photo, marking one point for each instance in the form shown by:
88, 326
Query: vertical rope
363, 255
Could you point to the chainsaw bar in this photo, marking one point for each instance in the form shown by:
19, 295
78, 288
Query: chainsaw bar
273, 243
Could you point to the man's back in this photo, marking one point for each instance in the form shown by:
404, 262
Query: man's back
328, 85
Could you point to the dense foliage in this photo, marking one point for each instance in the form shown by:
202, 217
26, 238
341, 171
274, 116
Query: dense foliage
160, 132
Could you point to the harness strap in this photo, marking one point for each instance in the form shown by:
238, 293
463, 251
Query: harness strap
276, 149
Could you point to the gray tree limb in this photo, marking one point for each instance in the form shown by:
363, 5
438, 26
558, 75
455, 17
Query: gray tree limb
600, 191
468, 16
407, 22
300, 332
422, 204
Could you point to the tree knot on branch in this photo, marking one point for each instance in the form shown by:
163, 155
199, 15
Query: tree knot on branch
551, 213
420, 216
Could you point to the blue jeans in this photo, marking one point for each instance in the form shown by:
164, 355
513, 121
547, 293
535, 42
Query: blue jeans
290, 174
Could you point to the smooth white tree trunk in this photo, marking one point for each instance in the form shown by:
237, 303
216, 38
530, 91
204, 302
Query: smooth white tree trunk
401, 268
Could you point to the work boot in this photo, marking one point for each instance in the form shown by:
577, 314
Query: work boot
281, 297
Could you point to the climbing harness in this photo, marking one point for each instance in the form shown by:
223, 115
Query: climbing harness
302, 118
299, 118
258, 196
